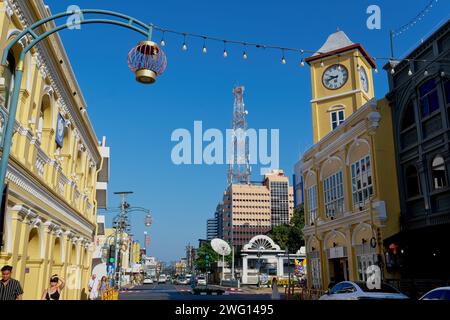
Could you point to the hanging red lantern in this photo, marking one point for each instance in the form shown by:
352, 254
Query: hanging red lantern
147, 61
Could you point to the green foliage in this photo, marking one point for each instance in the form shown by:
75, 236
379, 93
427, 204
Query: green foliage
290, 235
206, 257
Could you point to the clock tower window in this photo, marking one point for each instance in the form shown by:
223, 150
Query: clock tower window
337, 118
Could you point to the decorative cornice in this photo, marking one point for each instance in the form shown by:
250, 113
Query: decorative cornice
25, 183
48, 68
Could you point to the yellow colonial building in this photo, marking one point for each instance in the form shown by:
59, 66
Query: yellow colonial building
50, 219
350, 184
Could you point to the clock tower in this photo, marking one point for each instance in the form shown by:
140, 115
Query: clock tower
341, 76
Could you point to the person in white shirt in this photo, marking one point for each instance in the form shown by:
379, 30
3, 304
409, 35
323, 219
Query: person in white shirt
93, 287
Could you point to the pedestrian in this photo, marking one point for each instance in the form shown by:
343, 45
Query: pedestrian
57, 283
93, 287
10, 289
103, 286
275, 293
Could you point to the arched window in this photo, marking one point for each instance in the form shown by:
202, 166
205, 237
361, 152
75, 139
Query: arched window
429, 101
438, 173
408, 116
412, 182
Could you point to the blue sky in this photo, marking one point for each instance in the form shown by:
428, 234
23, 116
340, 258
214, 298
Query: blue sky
138, 120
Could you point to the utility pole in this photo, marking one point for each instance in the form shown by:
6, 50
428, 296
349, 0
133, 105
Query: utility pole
120, 226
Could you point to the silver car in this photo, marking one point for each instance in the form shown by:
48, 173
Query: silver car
348, 290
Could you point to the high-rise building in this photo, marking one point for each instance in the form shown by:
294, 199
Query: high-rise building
281, 197
211, 228
298, 184
254, 209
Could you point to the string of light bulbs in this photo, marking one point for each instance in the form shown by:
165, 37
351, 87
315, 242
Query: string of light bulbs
416, 19
282, 50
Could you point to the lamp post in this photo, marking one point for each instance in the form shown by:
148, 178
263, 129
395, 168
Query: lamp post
146, 60
259, 267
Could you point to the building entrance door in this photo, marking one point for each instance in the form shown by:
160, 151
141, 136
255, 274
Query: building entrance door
338, 270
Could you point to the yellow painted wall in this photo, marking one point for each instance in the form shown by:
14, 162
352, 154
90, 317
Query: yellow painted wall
51, 234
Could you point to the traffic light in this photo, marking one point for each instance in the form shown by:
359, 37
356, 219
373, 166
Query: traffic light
111, 255
207, 263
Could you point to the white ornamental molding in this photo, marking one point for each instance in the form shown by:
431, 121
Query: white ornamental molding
48, 68
8, 8
23, 182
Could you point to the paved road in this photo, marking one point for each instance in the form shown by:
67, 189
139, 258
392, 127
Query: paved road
172, 292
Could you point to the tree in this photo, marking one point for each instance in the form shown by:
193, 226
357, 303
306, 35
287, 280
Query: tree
206, 256
290, 235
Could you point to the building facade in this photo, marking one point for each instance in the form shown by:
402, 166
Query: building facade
350, 185
297, 180
420, 100
211, 229
250, 209
50, 217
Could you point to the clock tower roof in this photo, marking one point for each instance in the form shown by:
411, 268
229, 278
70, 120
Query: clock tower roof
336, 43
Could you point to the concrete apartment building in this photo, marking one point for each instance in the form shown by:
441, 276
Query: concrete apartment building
252, 209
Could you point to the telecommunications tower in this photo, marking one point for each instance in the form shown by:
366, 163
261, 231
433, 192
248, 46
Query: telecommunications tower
239, 166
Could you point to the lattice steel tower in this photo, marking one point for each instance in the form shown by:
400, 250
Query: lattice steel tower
239, 167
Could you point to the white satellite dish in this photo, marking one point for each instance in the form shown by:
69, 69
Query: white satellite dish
221, 247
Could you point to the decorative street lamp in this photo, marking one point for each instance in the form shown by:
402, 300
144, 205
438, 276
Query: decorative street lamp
147, 61
148, 220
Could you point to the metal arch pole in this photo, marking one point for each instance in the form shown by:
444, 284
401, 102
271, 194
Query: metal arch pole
7, 135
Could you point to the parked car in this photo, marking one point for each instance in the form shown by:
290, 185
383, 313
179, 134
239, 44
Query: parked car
148, 281
348, 290
162, 278
442, 293
201, 280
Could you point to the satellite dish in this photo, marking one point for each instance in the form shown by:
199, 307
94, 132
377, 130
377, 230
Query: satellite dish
221, 247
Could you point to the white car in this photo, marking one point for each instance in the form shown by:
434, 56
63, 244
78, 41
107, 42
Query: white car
148, 281
442, 293
162, 278
348, 290
201, 281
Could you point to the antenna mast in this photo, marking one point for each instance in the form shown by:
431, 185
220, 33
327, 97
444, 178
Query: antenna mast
239, 169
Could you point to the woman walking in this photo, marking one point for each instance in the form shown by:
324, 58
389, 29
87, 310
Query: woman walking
275, 293
103, 286
53, 292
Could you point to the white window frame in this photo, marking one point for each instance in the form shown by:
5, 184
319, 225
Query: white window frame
333, 193
336, 123
312, 203
362, 174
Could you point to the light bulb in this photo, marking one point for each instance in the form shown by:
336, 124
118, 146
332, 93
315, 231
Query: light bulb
302, 64
184, 47
225, 53
321, 64
425, 73
244, 55
204, 50
410, 73
283, 60
376, 70
163, 43
392, 71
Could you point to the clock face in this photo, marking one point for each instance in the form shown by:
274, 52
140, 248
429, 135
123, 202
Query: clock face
364, 79
335, 77
60, 127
